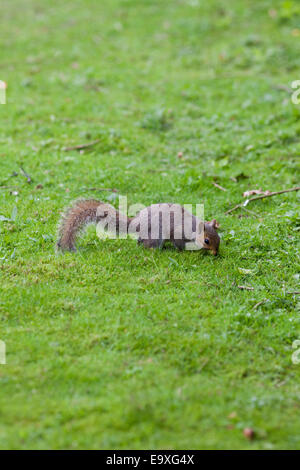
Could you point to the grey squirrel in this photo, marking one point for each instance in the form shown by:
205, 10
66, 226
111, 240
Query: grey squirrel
149, 225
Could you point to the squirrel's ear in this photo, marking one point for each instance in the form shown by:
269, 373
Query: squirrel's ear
214, 224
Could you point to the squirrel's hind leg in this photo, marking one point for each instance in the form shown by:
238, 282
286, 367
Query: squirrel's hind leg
179, 244
150, 243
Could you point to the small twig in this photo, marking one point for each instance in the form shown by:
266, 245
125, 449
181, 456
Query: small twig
259, 303
233, 209
27, 176
246, 288
112, 190
280, 384
250, 212
284, 88
81, 146
243, 204
206, 360
294, 293
218, 186
9, 187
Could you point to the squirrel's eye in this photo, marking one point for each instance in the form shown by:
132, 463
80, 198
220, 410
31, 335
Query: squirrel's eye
206, 241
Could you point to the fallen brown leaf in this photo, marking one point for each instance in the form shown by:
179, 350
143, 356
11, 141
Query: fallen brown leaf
252, 192
249, 433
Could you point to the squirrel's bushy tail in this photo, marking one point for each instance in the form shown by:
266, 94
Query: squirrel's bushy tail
79, 215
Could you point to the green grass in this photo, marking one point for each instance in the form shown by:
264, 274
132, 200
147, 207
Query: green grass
117, 346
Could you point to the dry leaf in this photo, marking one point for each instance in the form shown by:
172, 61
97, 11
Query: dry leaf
248, 433
252, 192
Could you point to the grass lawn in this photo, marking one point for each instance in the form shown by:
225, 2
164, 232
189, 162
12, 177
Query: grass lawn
117, 346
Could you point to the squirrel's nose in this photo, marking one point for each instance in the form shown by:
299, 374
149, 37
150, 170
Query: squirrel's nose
215, 252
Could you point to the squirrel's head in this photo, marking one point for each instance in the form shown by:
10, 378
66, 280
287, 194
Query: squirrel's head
209, 238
